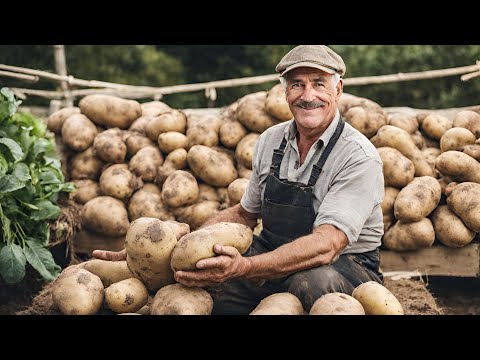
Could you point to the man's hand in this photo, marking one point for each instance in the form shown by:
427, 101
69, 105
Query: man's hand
110, 255
214, 271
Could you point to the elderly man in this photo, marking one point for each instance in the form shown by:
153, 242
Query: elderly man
317, 184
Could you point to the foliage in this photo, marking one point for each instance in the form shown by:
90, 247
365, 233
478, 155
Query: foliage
30, 182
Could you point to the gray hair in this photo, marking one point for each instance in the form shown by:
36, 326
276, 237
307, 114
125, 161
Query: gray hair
335, 80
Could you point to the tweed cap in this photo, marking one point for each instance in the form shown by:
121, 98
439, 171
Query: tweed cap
316, 56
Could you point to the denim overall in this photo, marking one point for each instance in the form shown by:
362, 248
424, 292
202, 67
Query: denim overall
287, 214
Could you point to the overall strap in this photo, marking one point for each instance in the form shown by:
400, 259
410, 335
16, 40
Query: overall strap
318, 167
277, 158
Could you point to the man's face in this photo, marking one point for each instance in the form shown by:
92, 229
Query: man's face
311, 96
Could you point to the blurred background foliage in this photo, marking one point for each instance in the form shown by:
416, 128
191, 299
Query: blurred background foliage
163, 65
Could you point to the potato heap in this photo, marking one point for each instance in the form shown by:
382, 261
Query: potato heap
131, 160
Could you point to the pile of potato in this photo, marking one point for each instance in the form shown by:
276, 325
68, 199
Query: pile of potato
131, 160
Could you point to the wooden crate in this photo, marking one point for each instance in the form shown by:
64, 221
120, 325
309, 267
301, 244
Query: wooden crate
436, 260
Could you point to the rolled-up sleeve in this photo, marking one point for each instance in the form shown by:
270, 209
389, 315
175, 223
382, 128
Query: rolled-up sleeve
355, 191
252, 198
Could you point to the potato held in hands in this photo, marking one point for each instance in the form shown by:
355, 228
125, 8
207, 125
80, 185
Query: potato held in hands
149, 243
199, 244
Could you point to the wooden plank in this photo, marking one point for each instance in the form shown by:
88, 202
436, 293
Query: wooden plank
437, 260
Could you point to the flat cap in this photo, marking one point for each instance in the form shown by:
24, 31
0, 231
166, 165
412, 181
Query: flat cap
315, 56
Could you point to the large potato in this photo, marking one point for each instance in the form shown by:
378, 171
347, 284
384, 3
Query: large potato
180, 189
409, 236
468, 119
110, 111
203, 130
86, 165
391, 136
119, 182
244, 150
398, 170
418, 199
170, 121
85, 191
199, 244
251, 112
179, 229
434, 126
464, 201
276, 104
279, 304
178, 299
458, 165
144, 203
55, 121
155, 108
149, 244
195, 215
78, 132
135, 142
110, 147
146, 162
105, 215
337, 304
376, 299
231, 133
455, 138
172, 140
109, 272
126, 296
236, 190
363, 114
211, 166
450, 229
77, 292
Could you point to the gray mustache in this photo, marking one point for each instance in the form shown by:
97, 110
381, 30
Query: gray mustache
308, 105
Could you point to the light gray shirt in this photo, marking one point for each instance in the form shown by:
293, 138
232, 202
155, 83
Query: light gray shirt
349, 191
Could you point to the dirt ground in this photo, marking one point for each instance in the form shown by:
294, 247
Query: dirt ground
418, 296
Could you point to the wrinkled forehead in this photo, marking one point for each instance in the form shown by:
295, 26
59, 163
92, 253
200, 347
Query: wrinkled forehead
306, 71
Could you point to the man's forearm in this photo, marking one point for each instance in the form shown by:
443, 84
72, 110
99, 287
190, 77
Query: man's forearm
318, 248
233, 214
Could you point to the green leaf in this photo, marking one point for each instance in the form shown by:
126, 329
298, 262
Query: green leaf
3, 165
15, 150
42, 260
8, 104
46, 210
21, 172
12, 263
10, 183
49, 176
41, 146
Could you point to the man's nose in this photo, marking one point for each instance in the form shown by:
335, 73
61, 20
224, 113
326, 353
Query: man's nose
308, 93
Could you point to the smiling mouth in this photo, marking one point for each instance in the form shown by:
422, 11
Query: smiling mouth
310, 105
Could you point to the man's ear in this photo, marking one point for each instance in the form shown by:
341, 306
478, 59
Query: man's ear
339, 88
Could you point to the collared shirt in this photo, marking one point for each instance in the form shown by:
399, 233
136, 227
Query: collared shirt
349, 191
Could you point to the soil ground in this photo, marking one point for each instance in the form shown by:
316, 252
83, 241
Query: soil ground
418, 296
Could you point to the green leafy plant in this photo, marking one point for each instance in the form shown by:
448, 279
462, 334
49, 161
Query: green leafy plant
30, 182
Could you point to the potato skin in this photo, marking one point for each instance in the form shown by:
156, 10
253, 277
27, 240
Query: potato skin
464, 201
409, 236
236, 190
455, 138
119, 182
77, 291
180, 189
109, 272
398, 170
277, 105
126, 296
199, 244
178, 299
105, 215
55, 121
149, 243
337, 304
418, 199
252, 114
78, 132
459, 165
244, 150
110, 111
279, 304
376, 299
450, 229
468, 119
86, 165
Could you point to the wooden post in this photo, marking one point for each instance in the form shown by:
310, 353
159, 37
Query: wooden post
61, 69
